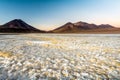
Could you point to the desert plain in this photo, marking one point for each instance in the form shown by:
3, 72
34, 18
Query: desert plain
59, 56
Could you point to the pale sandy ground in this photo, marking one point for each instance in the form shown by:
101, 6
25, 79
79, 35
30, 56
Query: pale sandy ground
60, 56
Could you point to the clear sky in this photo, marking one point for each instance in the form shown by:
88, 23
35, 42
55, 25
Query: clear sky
48, 14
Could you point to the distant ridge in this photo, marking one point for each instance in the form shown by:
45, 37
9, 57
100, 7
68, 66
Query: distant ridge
81, 27
18, 26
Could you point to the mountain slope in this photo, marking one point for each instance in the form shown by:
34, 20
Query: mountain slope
17, 26
82, 27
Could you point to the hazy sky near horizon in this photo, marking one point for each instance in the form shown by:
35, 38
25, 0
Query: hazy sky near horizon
48, 14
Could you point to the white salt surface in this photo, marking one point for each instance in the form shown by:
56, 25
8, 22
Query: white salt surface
60, 56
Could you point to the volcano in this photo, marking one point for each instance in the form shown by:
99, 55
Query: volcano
18, 26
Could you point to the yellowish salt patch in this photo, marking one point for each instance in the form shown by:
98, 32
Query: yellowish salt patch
85, 42
94, 48
117, 64
108, 50
5, 54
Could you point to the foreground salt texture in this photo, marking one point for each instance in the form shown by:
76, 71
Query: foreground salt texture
55, 56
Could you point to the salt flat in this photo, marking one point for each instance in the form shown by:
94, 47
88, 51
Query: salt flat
60, 56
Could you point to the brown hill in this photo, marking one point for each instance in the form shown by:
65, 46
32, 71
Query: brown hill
18, 26
83, 27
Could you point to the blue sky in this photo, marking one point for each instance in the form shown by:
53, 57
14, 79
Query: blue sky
49, 14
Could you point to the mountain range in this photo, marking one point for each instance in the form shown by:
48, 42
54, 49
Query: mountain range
19, 26
80, 27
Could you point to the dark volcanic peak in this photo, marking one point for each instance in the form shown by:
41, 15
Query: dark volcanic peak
18, 25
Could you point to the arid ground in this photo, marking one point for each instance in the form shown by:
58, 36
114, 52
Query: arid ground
60, 56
